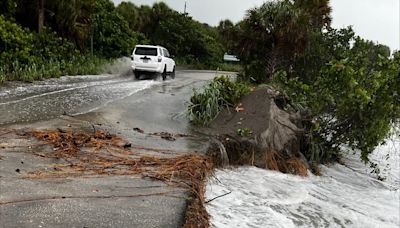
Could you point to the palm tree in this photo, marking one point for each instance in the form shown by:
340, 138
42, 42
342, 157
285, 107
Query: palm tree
277, 33
318, 10
41, 4
131, 14
71, 19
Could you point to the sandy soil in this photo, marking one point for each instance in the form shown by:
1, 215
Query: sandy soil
254, 116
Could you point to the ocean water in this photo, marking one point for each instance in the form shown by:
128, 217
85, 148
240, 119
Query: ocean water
346, 195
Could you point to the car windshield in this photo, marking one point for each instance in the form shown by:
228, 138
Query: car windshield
146, 51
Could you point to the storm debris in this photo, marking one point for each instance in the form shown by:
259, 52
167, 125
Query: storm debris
5, 131
138, 130
127, 145
169, 136
101, 153
164, 135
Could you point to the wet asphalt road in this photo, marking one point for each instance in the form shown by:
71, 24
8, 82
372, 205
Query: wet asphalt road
22, 102
110, 102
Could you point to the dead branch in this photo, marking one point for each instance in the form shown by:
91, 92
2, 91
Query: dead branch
218, 197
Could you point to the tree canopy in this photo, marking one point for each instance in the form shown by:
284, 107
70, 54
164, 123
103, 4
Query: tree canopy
348, 86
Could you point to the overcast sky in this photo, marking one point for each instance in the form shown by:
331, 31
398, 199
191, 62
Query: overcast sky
376, 20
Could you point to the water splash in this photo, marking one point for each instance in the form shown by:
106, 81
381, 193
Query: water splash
345, 196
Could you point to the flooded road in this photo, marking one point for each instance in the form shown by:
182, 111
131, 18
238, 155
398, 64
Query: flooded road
112, 103
43, 100
115, 103
345, 196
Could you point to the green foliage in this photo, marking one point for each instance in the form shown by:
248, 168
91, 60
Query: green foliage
71, 27
78, 65
71, 19
220, 93
190, 40
112, 36
49, 46
244, 132
31, 56
130, 12
273, 36
230, 91
347, 86
354, 100
193, 43
15, 42
8, 7
228, 36
232, 67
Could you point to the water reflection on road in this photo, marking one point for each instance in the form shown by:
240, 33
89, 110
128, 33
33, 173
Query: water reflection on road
21, 102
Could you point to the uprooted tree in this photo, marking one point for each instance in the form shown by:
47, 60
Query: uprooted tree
345, 88
349, 87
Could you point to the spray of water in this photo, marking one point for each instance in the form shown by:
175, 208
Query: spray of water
121, 66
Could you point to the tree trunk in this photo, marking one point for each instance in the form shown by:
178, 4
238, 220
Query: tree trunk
41, 15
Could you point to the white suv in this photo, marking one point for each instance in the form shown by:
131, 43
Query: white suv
152, 59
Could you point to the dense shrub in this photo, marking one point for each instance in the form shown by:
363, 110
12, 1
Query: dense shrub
8, 7
29, 56
347, 87
15, 42
353, 100
111, 32
72, 28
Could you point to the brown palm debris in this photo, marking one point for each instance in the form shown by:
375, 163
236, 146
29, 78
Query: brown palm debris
164, 135
273, 161
297, 166
24, 200
5, 131
104, 154
292, 164
170, 136
315, 169
158, 150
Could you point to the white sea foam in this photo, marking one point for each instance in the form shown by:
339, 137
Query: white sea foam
345, 196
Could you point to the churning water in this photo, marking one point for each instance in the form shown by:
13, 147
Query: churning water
346, 195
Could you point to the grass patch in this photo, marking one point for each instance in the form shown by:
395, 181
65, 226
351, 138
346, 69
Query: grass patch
198, 65
221, 92
232, 67
244, 132
79, 65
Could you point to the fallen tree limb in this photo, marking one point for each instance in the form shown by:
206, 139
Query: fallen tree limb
218, 197
82, 197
